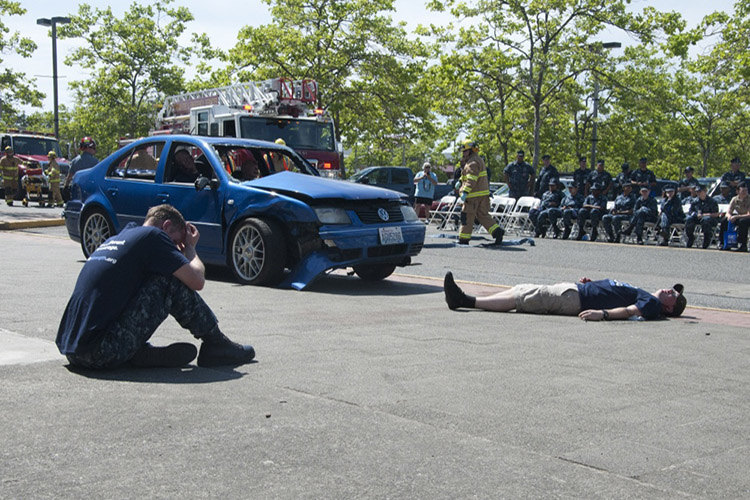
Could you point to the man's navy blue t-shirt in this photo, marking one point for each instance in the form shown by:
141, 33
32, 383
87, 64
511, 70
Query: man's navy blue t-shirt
110, 278
608, 294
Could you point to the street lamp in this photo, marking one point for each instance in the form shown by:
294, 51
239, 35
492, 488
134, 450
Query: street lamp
53, 23
598, 47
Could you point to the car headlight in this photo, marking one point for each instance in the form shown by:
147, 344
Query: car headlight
409, 214
332, 216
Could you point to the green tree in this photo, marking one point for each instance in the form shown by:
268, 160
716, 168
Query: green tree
134, 61
15, 87
548, 41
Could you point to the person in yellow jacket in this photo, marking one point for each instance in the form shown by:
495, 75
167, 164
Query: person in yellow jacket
276, 160
475, 195
53, 175
9, 166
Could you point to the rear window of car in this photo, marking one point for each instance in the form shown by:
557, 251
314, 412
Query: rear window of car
139, 163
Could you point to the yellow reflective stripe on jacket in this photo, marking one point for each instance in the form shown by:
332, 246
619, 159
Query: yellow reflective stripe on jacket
469, 194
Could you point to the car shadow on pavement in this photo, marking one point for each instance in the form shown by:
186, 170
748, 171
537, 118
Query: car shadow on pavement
335, 284
187, 375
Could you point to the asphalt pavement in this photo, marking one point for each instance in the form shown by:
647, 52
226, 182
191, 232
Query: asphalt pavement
377, 390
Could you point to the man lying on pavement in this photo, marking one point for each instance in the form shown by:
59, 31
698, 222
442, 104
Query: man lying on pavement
589, 300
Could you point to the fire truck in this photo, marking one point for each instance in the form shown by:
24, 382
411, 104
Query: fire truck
269, 110
32, 148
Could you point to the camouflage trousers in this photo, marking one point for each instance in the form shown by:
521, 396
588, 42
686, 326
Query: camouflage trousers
159, 297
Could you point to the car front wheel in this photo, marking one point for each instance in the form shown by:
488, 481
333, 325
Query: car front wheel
96, 229
257, 254
374, 272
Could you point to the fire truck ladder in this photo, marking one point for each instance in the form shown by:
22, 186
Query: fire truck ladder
257, 97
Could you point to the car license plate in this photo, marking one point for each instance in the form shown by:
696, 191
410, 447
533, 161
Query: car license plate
390, 235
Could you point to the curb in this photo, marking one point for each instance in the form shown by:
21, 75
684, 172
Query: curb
25, 224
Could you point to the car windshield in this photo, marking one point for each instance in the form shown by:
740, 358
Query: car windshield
297, 133
360, 174
38, 146
246, 164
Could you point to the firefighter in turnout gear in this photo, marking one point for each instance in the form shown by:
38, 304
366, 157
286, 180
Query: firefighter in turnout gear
475, 194
53, 175
9, 166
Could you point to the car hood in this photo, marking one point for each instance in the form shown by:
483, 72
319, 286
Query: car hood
320, 188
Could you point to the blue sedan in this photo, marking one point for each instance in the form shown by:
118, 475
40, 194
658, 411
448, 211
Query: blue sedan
261, 209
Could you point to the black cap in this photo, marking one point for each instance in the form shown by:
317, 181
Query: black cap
627, 185
552, 181
581, 158
699, 187
519, 152
625, 166
646, 188
668, 187
680, 303
689, 169
600, 162
736, 160
643, 159
546, 157
725, 185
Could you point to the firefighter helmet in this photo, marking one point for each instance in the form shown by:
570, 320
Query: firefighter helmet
87, 142
280, 141
468, 144
52, 154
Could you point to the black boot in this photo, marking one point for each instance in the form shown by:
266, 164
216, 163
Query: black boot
566, 233
594, 234
664, 239
498, 234
218, 350
454, 296
171, 356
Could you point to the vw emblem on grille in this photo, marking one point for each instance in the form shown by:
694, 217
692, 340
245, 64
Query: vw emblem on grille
383, 214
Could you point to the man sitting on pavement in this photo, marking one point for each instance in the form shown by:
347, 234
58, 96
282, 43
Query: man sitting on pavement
671, 212
600, 300
622, 211
129, 286
703, 211
594, 206
645, 210
539, 216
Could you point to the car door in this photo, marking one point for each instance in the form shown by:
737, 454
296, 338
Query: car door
203, 208
130, 182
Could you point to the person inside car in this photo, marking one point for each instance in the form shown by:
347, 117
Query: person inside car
184, 169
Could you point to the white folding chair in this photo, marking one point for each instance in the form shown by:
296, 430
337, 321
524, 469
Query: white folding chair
518, 220
501, 208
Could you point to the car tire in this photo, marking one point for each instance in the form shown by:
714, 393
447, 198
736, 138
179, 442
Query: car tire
257, 253
374, 272
95, 230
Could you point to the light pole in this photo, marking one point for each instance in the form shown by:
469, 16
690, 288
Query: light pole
53, 23
597, 47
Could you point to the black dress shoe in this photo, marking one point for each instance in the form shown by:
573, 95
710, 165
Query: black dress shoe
220, 351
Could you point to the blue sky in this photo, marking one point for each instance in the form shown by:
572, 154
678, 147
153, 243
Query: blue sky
221, 20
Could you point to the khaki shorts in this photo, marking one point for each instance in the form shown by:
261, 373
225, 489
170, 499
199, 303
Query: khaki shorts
561, 298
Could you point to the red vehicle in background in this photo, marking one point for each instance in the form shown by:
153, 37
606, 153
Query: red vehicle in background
269, 110
32, 148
